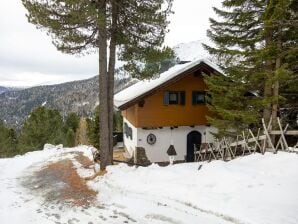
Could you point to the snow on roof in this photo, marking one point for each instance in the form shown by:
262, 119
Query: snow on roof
144, 86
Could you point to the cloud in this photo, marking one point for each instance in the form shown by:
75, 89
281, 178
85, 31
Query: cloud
26, 79
27, 56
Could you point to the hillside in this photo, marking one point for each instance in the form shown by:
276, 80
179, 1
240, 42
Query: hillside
78, 96
3, 89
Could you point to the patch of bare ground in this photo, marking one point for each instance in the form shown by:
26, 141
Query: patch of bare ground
72, 188
84, 160
118, 154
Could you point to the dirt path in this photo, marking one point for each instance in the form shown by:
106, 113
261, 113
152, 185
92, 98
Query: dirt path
59, 182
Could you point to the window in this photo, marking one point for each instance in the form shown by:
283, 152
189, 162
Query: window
198, 97
127, 131
174, 97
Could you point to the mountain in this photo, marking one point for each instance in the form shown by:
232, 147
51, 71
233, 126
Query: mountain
3, 89
77, 96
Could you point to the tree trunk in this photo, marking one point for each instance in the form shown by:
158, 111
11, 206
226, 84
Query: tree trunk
111, 72
267, 84
276, 82
104, 141
267, 94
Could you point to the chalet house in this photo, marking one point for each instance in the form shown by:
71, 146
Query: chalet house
168, 110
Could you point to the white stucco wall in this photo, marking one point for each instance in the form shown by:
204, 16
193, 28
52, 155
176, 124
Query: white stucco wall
130, 144
164, 137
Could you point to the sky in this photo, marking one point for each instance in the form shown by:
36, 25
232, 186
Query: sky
28, 57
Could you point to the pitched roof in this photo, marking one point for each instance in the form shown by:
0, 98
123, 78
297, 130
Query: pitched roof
141, 89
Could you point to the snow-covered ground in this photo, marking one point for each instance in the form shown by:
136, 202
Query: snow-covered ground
253, 189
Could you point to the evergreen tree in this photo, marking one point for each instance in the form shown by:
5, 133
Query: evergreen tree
248, 46
280, 23
72, 122
71, 125
118, 121
2, 139
12, 142
70, 138
8, 141
136, 27
93, 128
42, 126
235, 36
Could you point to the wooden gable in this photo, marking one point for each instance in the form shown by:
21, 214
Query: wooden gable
150, 111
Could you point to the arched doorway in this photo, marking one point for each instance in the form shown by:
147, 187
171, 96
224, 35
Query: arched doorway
193, 137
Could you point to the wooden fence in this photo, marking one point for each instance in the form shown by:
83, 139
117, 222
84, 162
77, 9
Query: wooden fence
247, 143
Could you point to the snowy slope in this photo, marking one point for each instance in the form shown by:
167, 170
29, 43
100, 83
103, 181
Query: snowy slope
254, 190
190, 51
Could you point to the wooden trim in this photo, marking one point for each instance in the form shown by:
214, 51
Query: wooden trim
203, 66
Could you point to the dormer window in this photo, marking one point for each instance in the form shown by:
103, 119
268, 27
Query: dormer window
174, 97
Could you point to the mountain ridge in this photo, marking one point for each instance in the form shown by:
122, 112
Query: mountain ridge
80, 97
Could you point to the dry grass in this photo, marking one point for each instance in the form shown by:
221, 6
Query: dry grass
119, 155
74, 191
84, 160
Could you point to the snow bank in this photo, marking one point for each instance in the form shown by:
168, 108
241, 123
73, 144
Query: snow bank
256, 189
252, 189
17, 205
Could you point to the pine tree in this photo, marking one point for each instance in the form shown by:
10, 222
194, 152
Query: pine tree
70, 138
71, 126
8, 141
280, 23
42, 126
118, 121
235, 37
93, 126
72, 122
94, 130
135, 27
254, 46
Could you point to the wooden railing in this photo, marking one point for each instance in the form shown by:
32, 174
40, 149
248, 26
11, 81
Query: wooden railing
247, 143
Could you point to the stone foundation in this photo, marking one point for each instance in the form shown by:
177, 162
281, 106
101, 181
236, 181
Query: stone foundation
140, 157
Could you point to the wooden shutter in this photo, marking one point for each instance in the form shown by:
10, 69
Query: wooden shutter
166, 98
194, 98
182, 98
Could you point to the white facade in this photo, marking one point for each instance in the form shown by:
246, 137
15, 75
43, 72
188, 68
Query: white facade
165, 136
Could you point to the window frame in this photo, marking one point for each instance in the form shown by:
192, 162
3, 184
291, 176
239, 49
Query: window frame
180, 95
195, 95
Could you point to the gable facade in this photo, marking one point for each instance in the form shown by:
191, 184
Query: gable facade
155, 111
